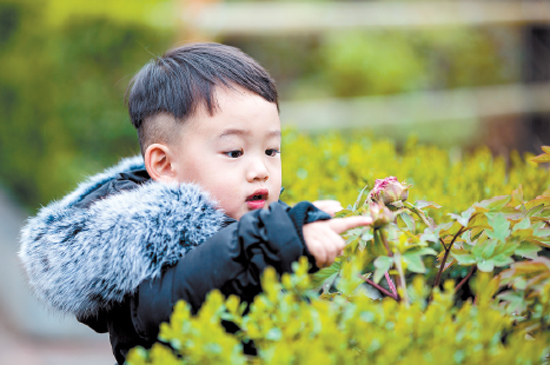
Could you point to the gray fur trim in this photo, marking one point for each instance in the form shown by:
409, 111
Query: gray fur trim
83, 260
125, 165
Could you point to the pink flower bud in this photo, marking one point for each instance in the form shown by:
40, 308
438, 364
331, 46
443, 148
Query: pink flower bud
389, 190
379, 213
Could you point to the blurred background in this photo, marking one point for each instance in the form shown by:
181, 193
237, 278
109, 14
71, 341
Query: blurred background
458, 74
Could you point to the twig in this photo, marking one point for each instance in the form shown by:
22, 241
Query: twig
441, 267
390, 254
390, 283
442, 242
402, 281
463, 281
447, 251
381, 289
385, 242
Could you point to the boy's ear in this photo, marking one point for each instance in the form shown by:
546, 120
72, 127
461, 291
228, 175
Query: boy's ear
159, 164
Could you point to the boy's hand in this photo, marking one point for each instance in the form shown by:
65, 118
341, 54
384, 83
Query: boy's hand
328, 206
323, 238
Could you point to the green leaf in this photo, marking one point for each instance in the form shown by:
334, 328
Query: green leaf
545, 213
514, 301
540, 230
525, 223
414, 263
520, 283
485, 250
343, 213
502, 260
359, 198
421, 204
326, 274
382, 264
368, 235
429, 236
486, 265
466, 236
422, 251
496, 203
463, 257
527, 249
535, 210
500, 225
545, 157
274, 334
464, 218
409, 221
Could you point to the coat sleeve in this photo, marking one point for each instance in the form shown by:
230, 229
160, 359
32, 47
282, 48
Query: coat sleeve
232, 261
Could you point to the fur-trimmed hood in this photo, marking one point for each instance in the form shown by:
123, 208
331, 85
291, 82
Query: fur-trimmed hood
82, 260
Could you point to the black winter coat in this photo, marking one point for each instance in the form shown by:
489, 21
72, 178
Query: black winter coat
121, 250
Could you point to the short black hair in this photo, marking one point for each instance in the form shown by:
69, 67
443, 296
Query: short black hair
184, 79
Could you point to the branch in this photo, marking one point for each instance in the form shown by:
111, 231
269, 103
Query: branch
472, 270
382, 290
385, 241
390, 283
447, 251
402, 282
442, 242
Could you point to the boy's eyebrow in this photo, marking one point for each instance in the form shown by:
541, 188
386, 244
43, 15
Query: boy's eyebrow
240, 132
233, 131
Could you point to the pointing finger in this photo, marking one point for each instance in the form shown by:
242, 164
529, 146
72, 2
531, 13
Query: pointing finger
340, 225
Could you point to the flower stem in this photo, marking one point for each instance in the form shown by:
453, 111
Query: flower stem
385, 242
401, 278
402, 282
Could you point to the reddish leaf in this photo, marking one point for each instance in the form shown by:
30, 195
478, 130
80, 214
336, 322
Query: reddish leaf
421, 204
517, 197
545, 157
494, 204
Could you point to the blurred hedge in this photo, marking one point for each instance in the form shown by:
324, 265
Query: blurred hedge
360, 62
62, 96
62, 88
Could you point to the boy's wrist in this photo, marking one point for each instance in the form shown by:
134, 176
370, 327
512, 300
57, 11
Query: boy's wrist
304, 213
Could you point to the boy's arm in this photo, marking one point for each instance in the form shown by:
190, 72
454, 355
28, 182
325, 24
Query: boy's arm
232, 261
234, 258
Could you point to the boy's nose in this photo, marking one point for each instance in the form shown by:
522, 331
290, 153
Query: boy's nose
258, 171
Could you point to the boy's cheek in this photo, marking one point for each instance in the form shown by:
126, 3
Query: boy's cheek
272, 199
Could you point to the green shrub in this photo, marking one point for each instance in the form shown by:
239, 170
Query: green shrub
391, 297
336, 167
346, 330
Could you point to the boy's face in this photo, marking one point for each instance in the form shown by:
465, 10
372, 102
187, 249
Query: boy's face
234, 154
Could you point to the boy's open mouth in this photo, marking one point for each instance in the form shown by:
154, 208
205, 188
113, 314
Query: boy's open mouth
257, 200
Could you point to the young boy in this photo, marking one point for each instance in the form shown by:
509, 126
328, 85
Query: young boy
199, 210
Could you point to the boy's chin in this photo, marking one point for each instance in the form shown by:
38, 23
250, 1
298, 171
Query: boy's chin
248, 208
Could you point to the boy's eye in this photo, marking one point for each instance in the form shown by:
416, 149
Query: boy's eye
272, 152
234, 154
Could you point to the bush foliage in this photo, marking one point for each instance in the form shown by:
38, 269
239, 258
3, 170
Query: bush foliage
333, 167
468, 288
